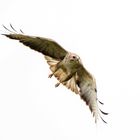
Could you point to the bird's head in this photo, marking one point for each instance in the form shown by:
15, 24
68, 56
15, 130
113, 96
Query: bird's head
73, 58
72, 62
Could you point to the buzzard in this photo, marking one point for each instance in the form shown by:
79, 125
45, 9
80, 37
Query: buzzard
67, 67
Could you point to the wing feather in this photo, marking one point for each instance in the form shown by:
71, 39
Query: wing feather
71, 84
52, 62
45, 46
81, 82
88, 92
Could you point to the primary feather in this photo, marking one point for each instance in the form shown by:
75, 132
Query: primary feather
43, 45
65, 66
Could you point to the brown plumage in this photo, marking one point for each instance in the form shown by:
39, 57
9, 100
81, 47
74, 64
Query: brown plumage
65, 66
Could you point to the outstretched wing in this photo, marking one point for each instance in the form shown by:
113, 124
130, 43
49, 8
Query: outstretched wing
81, 82
52, 51
84, 84
46, 46
88, 92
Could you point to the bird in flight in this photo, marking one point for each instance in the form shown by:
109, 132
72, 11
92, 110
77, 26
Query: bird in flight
67, 67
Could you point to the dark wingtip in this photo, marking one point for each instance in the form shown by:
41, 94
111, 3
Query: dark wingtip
104, 112
21, 31
103, 120
101, 102
7, 29
13, 31
5, 35
13, 28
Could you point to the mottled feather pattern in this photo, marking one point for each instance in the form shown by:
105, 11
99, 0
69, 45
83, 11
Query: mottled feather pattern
67, 67
60, 74
43, 45
71, 84
89, 95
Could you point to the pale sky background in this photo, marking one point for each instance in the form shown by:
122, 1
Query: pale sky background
106, 35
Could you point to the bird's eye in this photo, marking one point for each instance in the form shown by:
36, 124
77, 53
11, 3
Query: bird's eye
73, 57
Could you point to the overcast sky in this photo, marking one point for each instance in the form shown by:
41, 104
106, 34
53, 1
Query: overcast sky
106, 35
